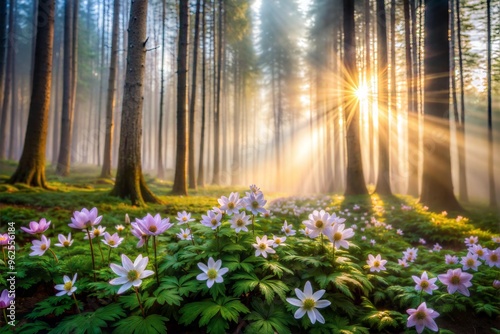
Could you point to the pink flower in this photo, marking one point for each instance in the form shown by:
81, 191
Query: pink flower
493, 258
40, 246
288, 229
424, 283
470, 262
479, 251
262, 246
112, 240
338, 235
410, 254
184, 217
450, 259
403, 263
376, 263
85, 219
5, 299
472, 240
232, 204
37, 228
212, 219
422, 317
455, 280
95, 232
154, 225
4, 239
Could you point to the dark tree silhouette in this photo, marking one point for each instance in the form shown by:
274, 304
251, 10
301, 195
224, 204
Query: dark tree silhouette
437, 186
31, 167
355, 180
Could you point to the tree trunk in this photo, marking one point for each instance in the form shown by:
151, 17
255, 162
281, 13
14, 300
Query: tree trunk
237, 81
192, 101
3, 50
110, 103
396, 168
201, 173
31, 167
130, 182
384, 178
217, 168
355, 180
491, 167
459, 125
371, 150
14, 97
180, 184
63, 161
160, 173
7, 84
437, 186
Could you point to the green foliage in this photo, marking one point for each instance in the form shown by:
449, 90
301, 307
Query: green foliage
268, 319
152, 324
51, 305
246, 282
89, 322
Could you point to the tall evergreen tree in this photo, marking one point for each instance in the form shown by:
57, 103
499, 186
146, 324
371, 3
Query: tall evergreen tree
437, 186
355, 180
31, 167
491, 174
130, 182
7, 84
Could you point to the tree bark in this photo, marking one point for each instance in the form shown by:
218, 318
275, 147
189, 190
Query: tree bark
491, 167
110, 103
192, 101
130, 182
201, 169
180, 184
7, 84
160, 173
63, 161
437, 186
3, 50
31, 167
355, 180
383, 179
217, 168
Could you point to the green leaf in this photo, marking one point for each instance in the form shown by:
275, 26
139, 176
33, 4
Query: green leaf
268, 319
89, 322
277, 268
51, 305
247, 282
33, 328
152, 324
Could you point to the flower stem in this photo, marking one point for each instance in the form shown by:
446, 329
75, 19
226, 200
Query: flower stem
4, 257
55, 257
253, 224
76, 303
100, 249
139, 300
109, 256
92, 253
156, 263
5, 316
420, 297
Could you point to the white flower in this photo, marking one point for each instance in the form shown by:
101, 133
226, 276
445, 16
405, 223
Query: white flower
278, 241
319, 223
470, 261
95, 232
112, 240
40, 246
131, 274
263, 246
231, 205
309, 302
63, 241
184, 217
68, 287
212, 219
212, 272
185, 234
376, 263
239, 222
338, 235
288, 229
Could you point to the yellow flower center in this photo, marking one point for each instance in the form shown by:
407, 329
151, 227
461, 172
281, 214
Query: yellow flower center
153, 228
424, 284
213, 222
262, 246
319, 223
111, 242
68, 285
337, 236
66, 243
255, 204
376, 264
470, 262
480, 252
43, 247
494, 257
287, 230
277, 241
212, 273
240, 222
420, 315
455, 280
230, 205
185, 235
132, 275
308, 304
184, 218
96, 233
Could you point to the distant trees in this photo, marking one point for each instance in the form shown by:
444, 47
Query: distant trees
130, 182
437, 186
31, 167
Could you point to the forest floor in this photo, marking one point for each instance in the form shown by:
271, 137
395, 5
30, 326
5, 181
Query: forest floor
84, 189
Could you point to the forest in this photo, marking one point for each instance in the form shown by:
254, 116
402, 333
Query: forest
250, 166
